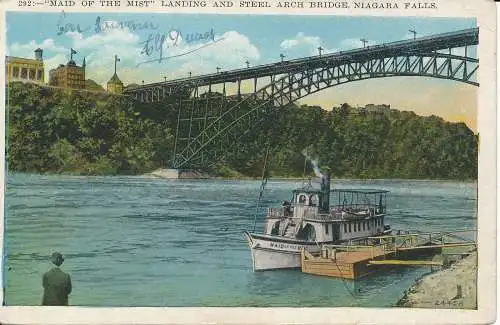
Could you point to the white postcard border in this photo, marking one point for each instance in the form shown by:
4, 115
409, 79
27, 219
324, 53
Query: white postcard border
485, 11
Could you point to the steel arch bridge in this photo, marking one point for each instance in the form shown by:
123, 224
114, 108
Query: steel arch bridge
208, 122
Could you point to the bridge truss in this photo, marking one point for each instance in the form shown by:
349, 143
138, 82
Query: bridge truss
210, 122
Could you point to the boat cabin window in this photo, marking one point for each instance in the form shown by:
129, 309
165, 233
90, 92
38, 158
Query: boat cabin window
276, 228
302, 199
313, 200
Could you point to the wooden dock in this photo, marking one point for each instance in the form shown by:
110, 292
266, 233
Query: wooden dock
356, 261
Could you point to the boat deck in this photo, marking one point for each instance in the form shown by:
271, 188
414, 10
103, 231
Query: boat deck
352, 262
343, 264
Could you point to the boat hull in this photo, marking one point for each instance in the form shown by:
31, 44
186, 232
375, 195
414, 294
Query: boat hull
277, 252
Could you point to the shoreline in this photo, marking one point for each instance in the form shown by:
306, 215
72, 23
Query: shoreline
453, 287
151, 175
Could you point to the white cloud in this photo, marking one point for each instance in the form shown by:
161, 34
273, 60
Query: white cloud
27, 49
301, 39
229, 51
99, 50
54, 61
303, 44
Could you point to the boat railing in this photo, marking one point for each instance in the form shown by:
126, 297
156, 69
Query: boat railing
277, 213
336, 214
322, 216
358, 207
309, 211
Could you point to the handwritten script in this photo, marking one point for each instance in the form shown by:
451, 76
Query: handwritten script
133, 25
102, 25
156, 43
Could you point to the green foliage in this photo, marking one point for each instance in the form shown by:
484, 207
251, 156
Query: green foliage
57, 131
359, 143
92, 85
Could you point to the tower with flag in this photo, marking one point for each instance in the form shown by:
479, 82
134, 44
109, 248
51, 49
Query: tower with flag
69, 75
114, 84
71, 54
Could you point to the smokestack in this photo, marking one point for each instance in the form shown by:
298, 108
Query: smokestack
325, 193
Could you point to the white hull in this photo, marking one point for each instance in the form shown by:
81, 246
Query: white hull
270, 253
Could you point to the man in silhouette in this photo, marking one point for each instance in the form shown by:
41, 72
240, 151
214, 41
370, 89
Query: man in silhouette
56, 284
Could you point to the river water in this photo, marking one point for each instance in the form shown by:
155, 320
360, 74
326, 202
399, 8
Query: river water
133, 241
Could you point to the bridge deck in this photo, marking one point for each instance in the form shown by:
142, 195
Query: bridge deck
419, 45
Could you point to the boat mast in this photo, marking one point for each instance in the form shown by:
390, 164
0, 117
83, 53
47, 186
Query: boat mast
304, 179
262, 186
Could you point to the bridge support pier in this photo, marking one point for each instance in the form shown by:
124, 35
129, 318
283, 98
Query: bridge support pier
180, 174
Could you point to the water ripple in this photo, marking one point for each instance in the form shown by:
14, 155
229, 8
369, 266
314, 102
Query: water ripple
181, 243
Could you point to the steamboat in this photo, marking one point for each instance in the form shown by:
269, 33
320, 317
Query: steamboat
308, 221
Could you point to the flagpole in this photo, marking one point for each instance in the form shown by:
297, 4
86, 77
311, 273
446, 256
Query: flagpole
115, 62
71, 54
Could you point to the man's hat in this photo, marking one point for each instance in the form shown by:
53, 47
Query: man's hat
57, 258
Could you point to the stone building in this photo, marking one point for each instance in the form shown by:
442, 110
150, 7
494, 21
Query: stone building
68, 76
18, 68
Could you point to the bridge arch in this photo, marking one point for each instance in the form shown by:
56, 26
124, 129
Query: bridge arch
239, 118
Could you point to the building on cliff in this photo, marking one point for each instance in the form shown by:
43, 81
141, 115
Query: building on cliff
20, 69
115, 85
68, 76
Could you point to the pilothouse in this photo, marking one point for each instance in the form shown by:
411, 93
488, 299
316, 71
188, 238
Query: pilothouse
309, 220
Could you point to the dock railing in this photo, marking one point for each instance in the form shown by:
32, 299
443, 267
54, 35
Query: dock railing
380, 245
413, 239
374, 250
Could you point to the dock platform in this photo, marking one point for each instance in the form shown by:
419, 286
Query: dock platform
356, 261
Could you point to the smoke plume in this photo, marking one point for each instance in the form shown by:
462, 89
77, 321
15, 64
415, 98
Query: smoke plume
314, 164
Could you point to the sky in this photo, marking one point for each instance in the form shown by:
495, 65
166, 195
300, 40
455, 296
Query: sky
228, 41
